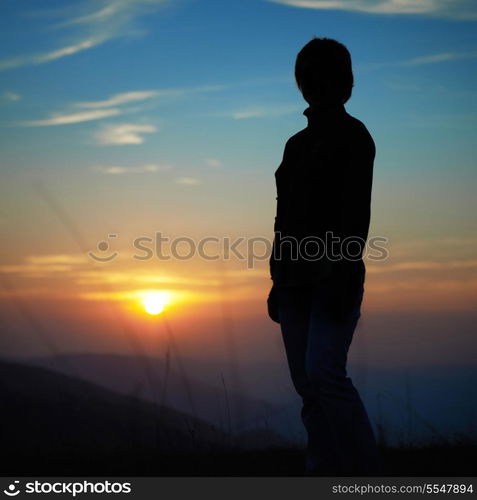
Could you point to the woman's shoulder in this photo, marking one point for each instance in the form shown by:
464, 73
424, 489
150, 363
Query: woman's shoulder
357, 127
296, 138
294, 143
357, 133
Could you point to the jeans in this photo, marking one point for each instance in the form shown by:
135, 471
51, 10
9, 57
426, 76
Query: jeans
317, 323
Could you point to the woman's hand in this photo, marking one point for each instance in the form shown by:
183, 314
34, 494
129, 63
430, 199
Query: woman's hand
345, 291
272, 305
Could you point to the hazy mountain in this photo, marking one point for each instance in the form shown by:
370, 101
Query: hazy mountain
58, 424
199, 388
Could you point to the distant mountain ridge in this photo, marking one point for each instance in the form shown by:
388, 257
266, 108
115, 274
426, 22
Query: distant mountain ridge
144, 377
54, 423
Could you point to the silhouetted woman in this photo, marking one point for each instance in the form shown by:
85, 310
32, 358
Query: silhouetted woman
323, 212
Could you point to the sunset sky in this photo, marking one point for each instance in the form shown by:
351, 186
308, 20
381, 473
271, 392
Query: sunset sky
133, 117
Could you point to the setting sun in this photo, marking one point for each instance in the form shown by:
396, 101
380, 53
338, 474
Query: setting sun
155, 301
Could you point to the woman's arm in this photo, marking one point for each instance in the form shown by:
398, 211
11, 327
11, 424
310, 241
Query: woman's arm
354, 206
279, 208
353, 213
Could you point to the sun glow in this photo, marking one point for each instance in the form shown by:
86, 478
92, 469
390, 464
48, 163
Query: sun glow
154, 302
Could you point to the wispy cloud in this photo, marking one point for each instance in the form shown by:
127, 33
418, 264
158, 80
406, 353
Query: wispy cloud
93, 26
125, 133
190, 181
118, 99
139, 169
141, 95
43, 265
423, 265
16, 62
438, 58
456, 9
264, 111
213, 162
70, 259
103, 14
67, 51
98, 12
65, 119
49, 56
96, 110
10, 96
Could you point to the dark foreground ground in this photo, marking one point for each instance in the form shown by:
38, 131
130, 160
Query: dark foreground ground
56, 425
431, 461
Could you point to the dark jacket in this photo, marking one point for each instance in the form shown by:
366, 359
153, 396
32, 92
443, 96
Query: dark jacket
323, 185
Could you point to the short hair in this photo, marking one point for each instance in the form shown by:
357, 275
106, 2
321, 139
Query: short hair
335, 60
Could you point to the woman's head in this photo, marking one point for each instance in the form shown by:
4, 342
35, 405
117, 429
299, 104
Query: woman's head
323, 72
